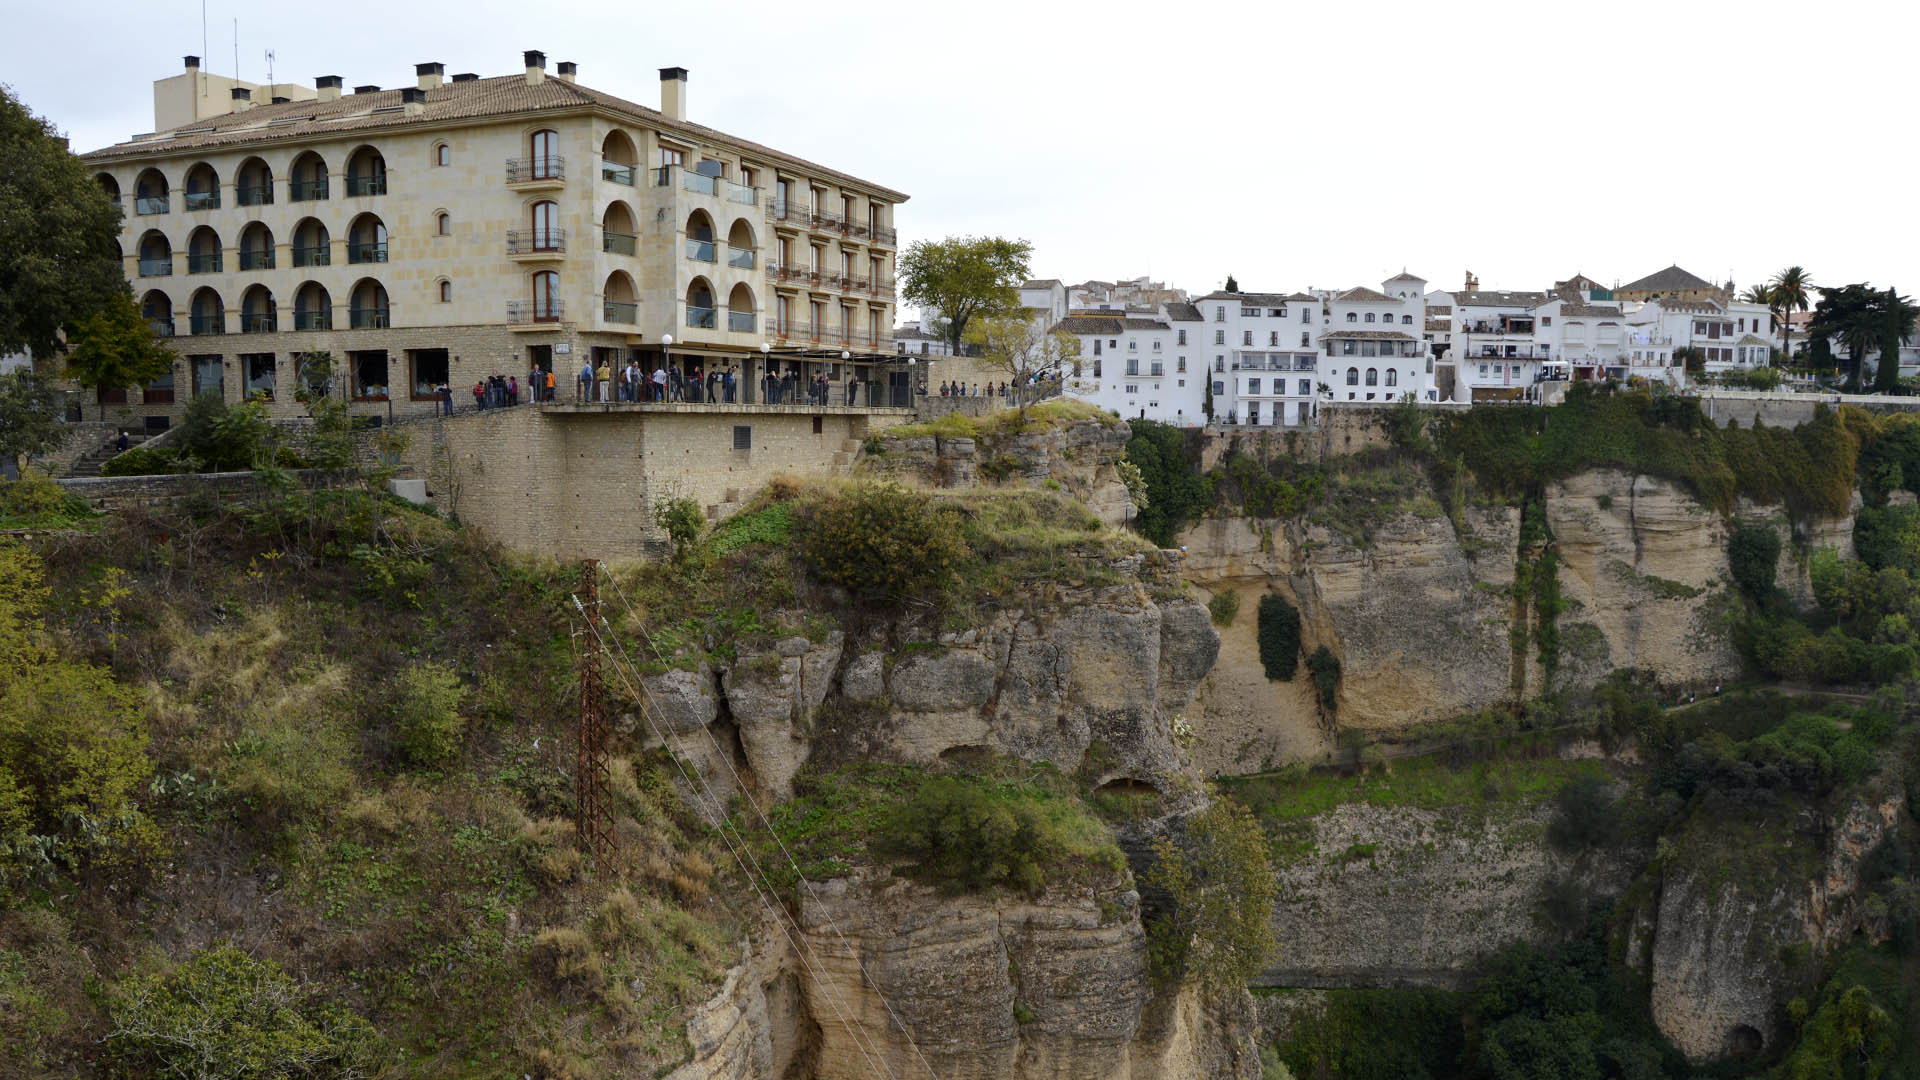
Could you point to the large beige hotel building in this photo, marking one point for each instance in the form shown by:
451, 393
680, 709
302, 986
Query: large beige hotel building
467, 227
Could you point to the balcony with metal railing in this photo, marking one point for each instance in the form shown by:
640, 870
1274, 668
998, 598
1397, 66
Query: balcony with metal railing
203, 200
204, 264
797, 331
373, 184
150, 204
536, 243
617, 311
885, 237
254, 196
161, 327
793, 275
307, 190
313, 255
370, 251
317, 319
368, 318
157, 267
264, 322
1511, 352
616, 171
529, 313
207, 324
617, 243
549, 170
256, 260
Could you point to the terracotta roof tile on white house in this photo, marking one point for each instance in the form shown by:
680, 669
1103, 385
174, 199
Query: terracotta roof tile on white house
1263, 299
454, 102
1494, 298
1103, 324
1183, 313
1672, 279
1368, 335
1363, 295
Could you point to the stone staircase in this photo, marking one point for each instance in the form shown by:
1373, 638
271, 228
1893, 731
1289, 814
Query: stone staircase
96, 447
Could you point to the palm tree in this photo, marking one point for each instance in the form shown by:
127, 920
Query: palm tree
1758, 294
1789, 293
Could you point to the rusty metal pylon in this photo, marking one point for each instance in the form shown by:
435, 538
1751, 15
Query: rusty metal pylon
594, 815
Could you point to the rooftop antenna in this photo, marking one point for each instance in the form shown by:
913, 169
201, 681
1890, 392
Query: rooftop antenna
236, 48
203, 47
269, 74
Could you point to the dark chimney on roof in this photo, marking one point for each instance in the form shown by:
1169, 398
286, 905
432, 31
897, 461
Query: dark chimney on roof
536, 67
193, 62
567, 70
241, 93
411, 94
281, 100
673, 92
328, 87
369, 89
434, 68
465, 76
325, 81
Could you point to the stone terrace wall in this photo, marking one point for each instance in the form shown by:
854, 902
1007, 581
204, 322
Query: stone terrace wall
1789, 410
111, 493
583, 481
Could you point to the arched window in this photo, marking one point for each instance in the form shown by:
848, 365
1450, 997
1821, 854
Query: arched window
446, 291
253, 184
256, 247
618, 300
700, 237
156, 255
257, 312
366, 173
157, 307
618, 158
617, 234
1352, 317
203, 252
311, 244
367, 306
1393, 377
443, 223
150, 193
1373, 377
442, 154
1406, 320
367, 240
312, 307
546, 225
740, 309
544, 146
209, 314
740, 245
109, 185
1369, 316
700, 312
546, 296
203, 188
308, 181
1353, 376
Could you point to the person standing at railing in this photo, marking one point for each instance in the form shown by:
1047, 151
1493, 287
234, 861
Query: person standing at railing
730, 383
713, 383
549, 387
606, 380
585, 383
659, 384
695, 384
513, 389
480, 394
852, 386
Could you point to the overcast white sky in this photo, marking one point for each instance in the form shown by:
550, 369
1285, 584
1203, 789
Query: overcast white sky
1291, 145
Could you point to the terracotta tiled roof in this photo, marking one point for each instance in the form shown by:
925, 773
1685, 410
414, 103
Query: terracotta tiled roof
1492, 298
1104, 324
1365, 295
1368, 335
1751, 340
475, 99
1040, 283
1691, 307
1183, 313
1672, 279
1262, 299
1404, 276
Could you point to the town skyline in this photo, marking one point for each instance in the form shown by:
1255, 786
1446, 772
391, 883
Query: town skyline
1225, 143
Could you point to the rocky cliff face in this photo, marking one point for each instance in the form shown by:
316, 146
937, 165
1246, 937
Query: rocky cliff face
1088, 678
1423, 617
1080, 457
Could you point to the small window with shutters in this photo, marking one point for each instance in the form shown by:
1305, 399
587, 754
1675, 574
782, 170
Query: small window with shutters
742, 437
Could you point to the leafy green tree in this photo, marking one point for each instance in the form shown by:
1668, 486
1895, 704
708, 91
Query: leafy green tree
963, 277
683, 520
1279, 636
1896, 328
1220, 885
29, 424
1325, 669
1232, 286
1753, 556
1854, 316
1176, 493
113, 346
1790, 291
58, 230
223, 1015
881, 542
1021, 346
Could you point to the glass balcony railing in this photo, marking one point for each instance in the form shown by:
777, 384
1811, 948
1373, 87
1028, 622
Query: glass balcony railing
616, 243
319, 319
150, 204
264, 322
701, 318
256, 260
208, 324
204, 264
367, 318
700, 249
742, 194
161, 327
740, 257
617, 311
254, 196
698, 184
371, 252
156, 267
203, 200
376, 184
616, 172
307, 190
313, 255
740, 321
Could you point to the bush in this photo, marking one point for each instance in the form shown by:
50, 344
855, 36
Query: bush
140, 461
35, 501
971, 834
1753, 555
683, 520
1279, 633
881, 542
1585, 816
1224, 607
1176, 493
1219, 925
1325, 669
426, 715
223, 1014
1888, 537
